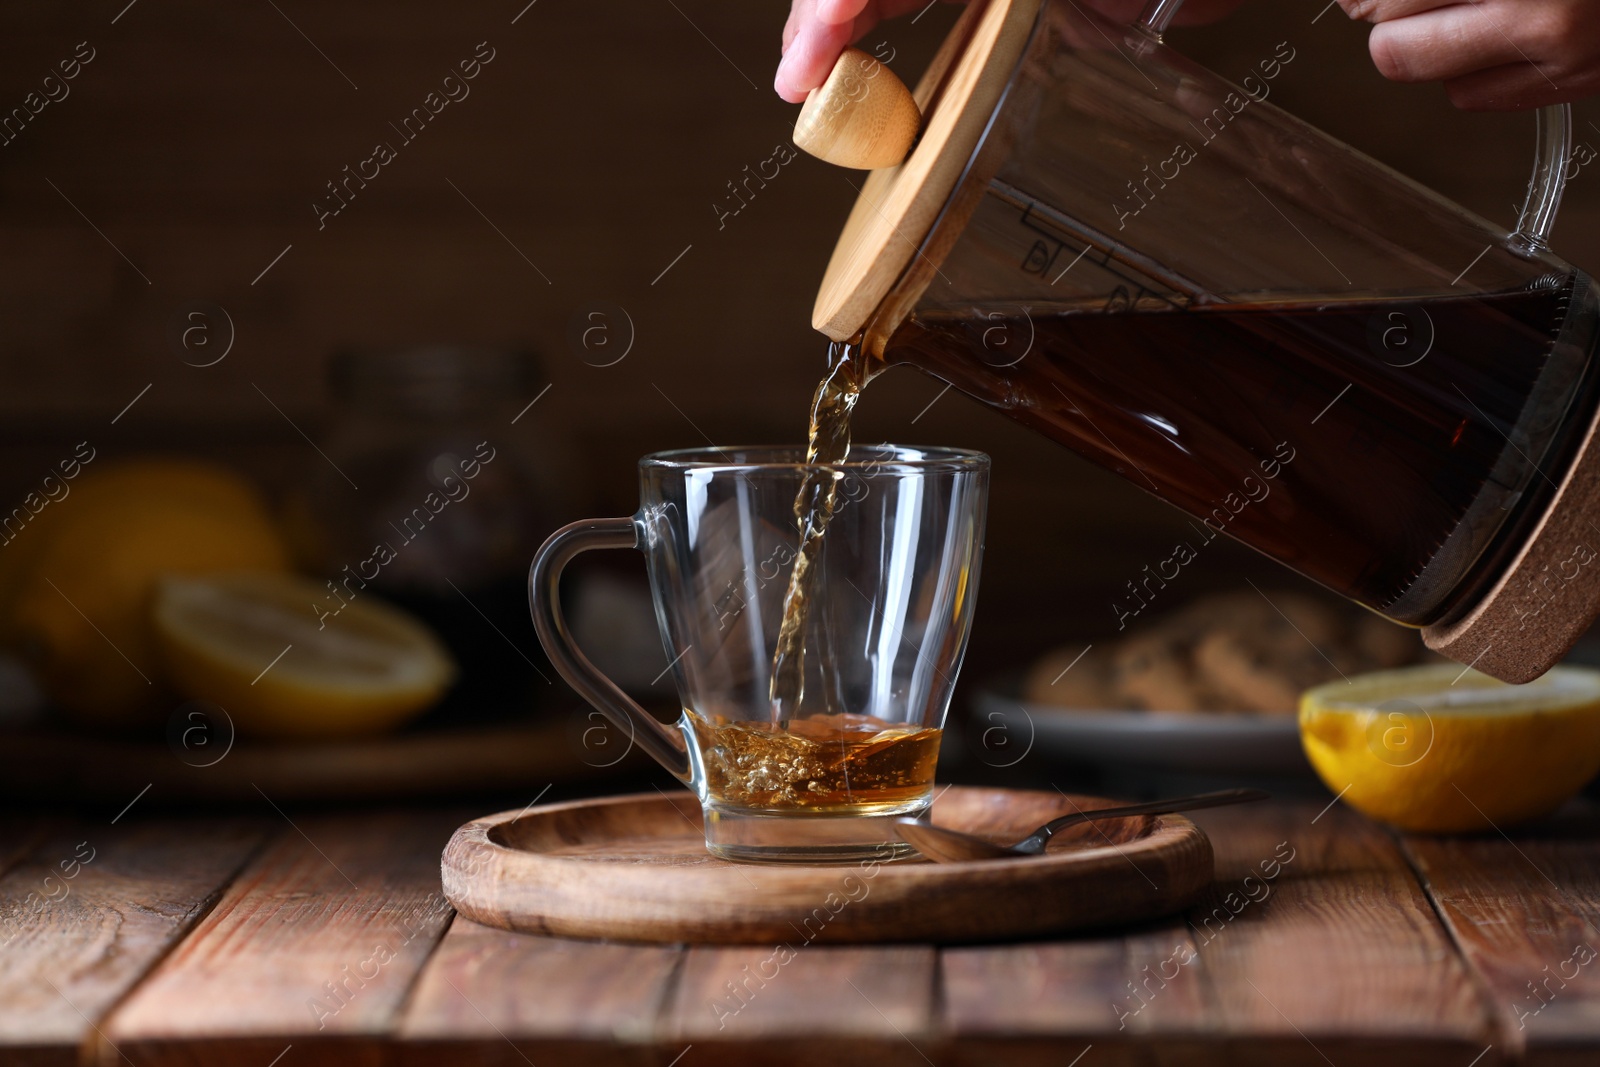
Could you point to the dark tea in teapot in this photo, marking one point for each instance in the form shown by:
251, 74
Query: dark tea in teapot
1376, 446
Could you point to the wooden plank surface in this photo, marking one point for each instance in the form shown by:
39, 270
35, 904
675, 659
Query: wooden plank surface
1525, 911
90, 910
1345, 960
795, 1004
1047, 1003
488, 997
1318, 945
1315, 945
316, 943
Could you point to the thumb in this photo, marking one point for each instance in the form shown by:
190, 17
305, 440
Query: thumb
810, 59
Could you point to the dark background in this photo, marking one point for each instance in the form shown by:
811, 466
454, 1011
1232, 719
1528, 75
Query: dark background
594, 146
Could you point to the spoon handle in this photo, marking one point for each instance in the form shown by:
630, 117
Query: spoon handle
1148, 807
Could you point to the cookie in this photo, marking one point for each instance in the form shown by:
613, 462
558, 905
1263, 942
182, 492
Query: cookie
1069, 677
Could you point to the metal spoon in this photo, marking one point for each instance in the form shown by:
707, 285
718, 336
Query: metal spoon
943, 845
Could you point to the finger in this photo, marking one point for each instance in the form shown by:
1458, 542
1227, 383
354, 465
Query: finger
1389, 10
810, 59
1450, 42
801, 13
836, 12
1509, 87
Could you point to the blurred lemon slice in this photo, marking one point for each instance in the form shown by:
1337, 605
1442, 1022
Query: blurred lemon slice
76, 586
254, 644
1436, 749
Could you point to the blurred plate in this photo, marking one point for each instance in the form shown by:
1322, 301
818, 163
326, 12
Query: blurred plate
1200, 742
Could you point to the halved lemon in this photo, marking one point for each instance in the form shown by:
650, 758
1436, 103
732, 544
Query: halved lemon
1436, 749
76, 586
258, 646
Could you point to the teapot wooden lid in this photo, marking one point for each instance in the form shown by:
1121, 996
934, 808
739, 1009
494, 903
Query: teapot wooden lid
898, 204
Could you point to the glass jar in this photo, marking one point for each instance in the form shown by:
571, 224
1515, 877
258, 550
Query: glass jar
420, 497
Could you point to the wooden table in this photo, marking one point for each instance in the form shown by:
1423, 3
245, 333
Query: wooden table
268, 942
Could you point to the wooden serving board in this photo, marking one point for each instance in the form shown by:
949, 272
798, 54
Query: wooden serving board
635, 868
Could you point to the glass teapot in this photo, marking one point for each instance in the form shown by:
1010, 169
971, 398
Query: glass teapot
1296, 345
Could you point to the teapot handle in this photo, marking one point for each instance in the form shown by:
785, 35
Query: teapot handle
1554, 149
1549, 180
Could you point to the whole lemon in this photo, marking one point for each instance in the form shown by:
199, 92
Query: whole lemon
76, 582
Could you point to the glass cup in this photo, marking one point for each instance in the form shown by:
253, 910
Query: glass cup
816, 765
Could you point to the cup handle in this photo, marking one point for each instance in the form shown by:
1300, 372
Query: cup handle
1554, 149
663, 743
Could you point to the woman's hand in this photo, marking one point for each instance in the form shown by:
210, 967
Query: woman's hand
819, 30
1492, 55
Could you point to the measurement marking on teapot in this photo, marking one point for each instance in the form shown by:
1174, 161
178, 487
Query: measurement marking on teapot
1140, 276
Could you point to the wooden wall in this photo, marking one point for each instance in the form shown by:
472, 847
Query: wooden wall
591, 149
